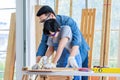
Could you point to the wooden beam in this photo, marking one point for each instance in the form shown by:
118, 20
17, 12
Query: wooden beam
118, 58
71, 5
56, 6
10, 58
87, 29
38, 27
105, 34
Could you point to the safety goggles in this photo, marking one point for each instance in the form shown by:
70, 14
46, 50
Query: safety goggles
42, 21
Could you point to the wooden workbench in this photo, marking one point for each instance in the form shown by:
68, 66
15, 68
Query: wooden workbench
67, 72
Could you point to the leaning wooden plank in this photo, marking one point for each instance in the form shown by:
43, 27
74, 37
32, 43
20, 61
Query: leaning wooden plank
25, 77
103, 34
38, 27
71, 5
91, 35
107, 30
10, 58
87, 29
56, 6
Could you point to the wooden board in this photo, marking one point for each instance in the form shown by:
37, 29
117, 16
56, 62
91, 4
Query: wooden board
105, 34
53, 70
10, 58
38, 28
70, 10
56, 6
87, 29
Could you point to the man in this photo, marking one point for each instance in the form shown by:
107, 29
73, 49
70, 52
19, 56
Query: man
45, 13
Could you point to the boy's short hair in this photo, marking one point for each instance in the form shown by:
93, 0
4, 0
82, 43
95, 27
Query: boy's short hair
51, 25
44, 10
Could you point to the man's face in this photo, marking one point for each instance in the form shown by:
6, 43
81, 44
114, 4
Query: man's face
44, 17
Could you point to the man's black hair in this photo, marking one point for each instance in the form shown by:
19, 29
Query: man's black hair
44, 10
51, 25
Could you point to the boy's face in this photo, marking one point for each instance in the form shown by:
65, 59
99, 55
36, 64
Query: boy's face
54, 34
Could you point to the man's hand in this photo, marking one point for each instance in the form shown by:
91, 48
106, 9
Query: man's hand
72, 62
49, 65
36, 66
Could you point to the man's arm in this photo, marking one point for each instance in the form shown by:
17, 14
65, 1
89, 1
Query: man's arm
42, 48
76, 34
74, 50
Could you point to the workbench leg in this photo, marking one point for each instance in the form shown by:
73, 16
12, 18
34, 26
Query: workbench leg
25, 77
36, 77
39, 77
69, 78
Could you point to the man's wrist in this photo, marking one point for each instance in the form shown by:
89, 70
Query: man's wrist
38, 59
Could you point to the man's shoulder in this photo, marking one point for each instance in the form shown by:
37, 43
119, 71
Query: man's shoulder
64, 20
62, 16
65, 26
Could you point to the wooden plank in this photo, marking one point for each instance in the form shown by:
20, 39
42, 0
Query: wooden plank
25, 77
92, 23
108, 32
103, 40
105, 34
71, 7
85, 24
38, 27
10, 58
82, 21
89, 18
87, 29
52, 70
108, 14
56, 7
92, 36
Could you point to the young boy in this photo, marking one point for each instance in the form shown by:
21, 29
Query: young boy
59, 40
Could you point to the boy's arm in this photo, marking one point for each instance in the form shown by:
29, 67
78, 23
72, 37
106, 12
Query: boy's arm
49, 52
59, 51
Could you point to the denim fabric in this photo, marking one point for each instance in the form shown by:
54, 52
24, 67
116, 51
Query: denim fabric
62, 62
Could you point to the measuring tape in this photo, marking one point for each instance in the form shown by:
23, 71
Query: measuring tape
106, 70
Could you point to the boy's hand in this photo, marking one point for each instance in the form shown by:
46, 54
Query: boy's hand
50, 65
44, 60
